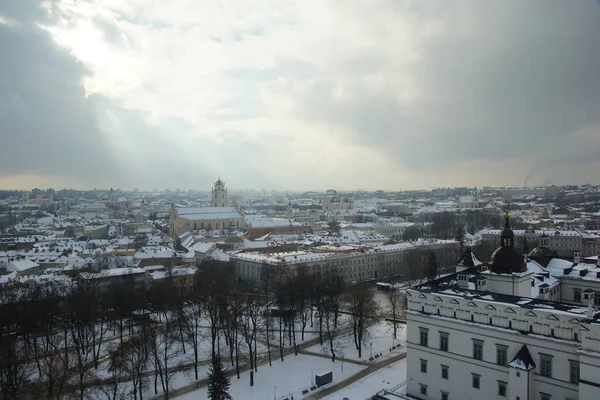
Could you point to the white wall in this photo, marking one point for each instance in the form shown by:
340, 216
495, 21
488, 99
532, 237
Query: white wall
462, 365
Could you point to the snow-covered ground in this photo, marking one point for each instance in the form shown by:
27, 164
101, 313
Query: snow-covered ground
386, 378
380, 336
283, 379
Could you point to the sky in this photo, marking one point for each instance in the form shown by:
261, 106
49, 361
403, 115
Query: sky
299, 94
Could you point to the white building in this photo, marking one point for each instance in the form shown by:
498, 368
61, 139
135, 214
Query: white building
354, 263
565, 242
491, 331
392, 230
23, 266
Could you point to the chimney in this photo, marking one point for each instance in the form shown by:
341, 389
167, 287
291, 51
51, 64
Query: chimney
480, 284
588, 295
576, 257
463, 281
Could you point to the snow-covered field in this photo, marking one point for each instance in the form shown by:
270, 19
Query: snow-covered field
282, 379
380, 336
386, 378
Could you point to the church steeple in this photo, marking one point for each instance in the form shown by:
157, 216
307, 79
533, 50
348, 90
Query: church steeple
506, 259
507, 237
219, 194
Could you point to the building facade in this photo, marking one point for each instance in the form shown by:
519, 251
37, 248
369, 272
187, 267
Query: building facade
564, 242
336, 203
503, 331
353, 263
220, 216
219, 195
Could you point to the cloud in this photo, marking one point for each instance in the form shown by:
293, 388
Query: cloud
305, 94
47, 124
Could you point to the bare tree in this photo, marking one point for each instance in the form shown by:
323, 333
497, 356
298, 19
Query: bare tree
279, 285
129, 359
395, 299
112, 387
304, 282
15, 369
266, 276
248, 321
215, 289
364, 313
330, 332
191, 324
164, 350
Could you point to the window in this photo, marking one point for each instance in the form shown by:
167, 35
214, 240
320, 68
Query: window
476, 381
577, 295
444, 396
444, 372
546, 365
477, 349
574, 372
444, 341
545, 396
424, 336
424, 366
501, 352
424, 389
501, 389
596, 299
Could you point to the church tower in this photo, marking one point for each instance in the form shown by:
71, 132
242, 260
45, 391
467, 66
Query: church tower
219, 195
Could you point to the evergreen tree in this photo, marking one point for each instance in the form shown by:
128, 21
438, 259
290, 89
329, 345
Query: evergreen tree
218, 382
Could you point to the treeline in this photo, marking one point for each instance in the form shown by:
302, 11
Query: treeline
62, 341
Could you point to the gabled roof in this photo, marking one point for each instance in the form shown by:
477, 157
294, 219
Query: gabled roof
523, 360
468, 259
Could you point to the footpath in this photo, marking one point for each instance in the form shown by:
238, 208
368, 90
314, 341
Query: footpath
359, 375
263, 359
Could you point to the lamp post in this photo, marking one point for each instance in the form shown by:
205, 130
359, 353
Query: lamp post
371, 348
342, 364
274, 392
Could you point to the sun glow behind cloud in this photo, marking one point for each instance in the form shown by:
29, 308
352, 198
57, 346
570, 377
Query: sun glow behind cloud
318, 94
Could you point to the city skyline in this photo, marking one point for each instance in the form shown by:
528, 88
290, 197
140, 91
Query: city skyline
297, 95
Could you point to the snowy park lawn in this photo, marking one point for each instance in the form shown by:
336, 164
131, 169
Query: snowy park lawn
385, 378
284, 379
380, 335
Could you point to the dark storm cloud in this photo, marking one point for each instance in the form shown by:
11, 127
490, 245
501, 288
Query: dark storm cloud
505, 79
46, 124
